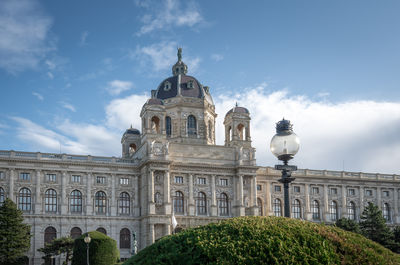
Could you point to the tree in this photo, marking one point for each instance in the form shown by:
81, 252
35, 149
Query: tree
348, 225
373, 226
14, 234
62, 245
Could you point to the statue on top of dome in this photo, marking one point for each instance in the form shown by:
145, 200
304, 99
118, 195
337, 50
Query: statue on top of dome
179, 54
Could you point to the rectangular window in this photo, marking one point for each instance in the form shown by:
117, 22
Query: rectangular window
100, 180
223, 182
179, 179
24, 176
277, 188
333, 191
314, 190
76, 178
368, 192
1, 175
351, 192
296, 189
201, 181
51, 177
123, 181
385, 193
259, 187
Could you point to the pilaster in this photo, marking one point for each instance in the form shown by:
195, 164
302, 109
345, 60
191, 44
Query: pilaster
11, 184
213, 197
167, 194
152, 206
38, 201
113, 207
191, 199
326, 204
64, 199
89, 204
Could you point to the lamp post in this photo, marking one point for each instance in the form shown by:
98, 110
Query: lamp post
284, 145
87, 240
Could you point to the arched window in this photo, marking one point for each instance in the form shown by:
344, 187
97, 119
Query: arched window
125, 238
24, 199
76, 232
223, 205
240, 130
260, 207
333, 210
124, 203
315, 210
230, 136
178, 202
296, 209
102, 230
191, 125
132, 148
351, 211
155, 125
50, 234
2, 196
277, 207
386, 212
100, 202
201, 203
50, 200
168, 126
76, 201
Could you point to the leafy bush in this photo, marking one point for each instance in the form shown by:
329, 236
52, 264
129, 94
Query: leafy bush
102, 250
265, 240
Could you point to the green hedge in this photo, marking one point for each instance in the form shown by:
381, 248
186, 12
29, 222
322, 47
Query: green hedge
265, 240
102, 250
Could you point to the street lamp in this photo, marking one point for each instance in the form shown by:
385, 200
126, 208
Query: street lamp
87, 240
284, 145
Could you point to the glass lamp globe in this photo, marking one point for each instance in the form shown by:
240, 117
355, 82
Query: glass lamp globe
87, 239
285, 143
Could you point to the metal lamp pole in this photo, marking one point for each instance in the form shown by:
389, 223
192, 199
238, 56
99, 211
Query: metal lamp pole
87, 240
284, 145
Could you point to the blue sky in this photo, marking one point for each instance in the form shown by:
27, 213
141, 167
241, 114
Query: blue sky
75, 74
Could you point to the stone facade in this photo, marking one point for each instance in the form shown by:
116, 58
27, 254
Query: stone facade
174, 165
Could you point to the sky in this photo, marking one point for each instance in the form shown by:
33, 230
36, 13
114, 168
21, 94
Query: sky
75, 74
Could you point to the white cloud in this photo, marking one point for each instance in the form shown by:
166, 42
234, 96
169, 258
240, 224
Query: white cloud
162, 55
83, 38
217, 57
24, 39
68, 106
39, 96
170, 14
117, 86
360, 133
123, 112
50, 75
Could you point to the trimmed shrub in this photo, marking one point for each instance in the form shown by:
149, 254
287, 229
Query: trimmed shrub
102, 250
265, 240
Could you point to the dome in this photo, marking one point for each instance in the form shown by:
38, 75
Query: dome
132, 131
184, 85
237, 109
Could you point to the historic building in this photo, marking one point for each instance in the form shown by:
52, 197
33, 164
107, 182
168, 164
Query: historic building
173, 164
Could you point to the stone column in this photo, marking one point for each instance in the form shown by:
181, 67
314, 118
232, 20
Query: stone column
361, 208
11, 184
326, 204
213, 197
240, 197
344, 201
152, 206
253, 196
151, 234
191, 199
38, 201
167, 194
268, 197
89, 204
64, 199
379, 197
396, 205
113, 205
136, 209
308, 213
